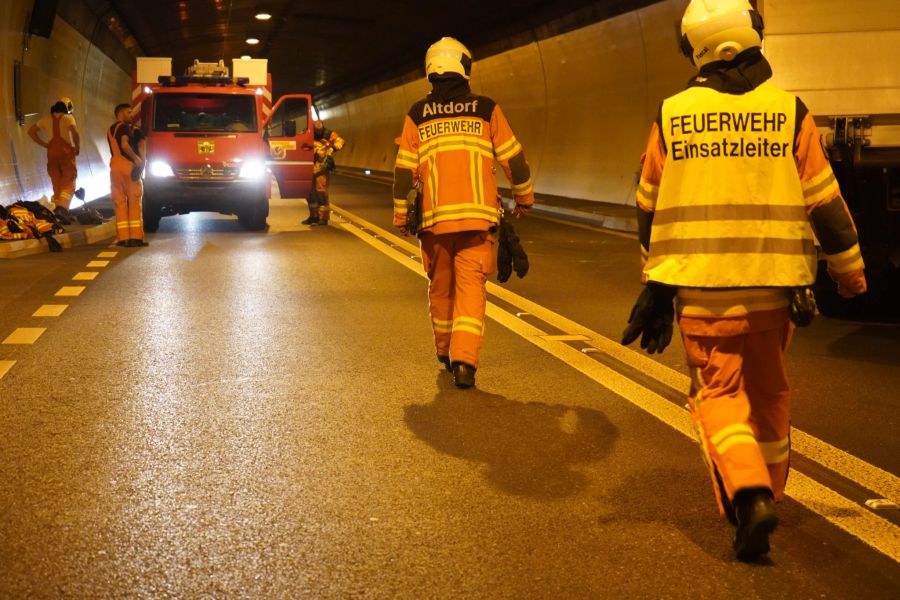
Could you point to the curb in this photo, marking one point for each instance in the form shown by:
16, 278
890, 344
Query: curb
19, 248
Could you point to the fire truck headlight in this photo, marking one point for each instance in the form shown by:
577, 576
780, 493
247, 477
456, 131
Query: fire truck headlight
160, 169
253, 169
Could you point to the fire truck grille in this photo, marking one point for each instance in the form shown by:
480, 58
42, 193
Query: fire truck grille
207, 172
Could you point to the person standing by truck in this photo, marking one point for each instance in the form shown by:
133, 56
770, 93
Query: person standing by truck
126, 190
448, 146
733, 176
326, 143
63, 146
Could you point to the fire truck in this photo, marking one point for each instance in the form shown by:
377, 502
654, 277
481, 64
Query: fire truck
214, 140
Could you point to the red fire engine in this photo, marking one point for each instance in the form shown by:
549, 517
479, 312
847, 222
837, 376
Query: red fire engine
214, 139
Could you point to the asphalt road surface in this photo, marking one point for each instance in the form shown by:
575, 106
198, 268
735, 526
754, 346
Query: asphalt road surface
233, 414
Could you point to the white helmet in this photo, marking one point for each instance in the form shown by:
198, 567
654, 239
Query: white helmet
714, 30
447, 55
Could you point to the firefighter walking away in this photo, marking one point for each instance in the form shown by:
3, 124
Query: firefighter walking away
732, 177
449, 142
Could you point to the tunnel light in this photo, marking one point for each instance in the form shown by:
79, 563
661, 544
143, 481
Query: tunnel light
160, 169
245, 57
263, 16
259, 91
252, 169
368, 172
252, 41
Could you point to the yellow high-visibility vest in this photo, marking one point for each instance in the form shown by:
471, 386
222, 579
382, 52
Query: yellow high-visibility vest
730, 211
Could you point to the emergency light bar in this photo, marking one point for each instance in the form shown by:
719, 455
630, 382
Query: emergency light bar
177, 80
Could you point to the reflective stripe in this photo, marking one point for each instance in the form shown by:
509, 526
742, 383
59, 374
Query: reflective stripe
729, 303
730, 212
732, 435
646, 195
821, 187
846, 261
508, 150
523, 189
776, 452
460, 211
441, 326
469, 325
732, 246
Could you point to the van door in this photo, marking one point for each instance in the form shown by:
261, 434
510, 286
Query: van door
289, 133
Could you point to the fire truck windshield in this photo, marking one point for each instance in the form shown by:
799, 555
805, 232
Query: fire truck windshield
193, 112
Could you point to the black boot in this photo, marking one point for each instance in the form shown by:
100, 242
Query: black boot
445, 360
756, 519
463, 375
310, 221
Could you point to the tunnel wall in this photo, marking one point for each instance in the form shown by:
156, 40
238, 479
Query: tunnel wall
66, 64
581, 103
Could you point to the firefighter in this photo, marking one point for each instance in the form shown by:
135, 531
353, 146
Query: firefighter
326, 143
126, 187
733, 176
63, 146
449, 142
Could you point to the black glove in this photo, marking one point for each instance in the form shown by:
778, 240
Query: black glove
519, 258
504, 256
652, 315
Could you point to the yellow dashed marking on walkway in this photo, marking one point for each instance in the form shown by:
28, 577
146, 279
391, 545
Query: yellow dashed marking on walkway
25, 335
85, 276
107, 255
70, 290
97, 263
565, 338
5, 366
50, 310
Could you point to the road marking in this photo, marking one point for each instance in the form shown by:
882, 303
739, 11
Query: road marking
565, 338
856, 520
70, 290
107, 255
85, 276
50, 310
5, 366
97, 263
595, 228
24, 335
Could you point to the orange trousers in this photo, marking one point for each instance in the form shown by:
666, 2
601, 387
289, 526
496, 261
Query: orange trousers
126, 196
458, 265
62, 170
740, 403
318, 198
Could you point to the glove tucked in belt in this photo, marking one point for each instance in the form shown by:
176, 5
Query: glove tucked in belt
652, 316
510, 253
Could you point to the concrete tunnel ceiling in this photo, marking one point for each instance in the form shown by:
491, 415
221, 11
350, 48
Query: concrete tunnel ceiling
335, 50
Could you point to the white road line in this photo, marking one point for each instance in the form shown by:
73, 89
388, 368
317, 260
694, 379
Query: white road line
856, 520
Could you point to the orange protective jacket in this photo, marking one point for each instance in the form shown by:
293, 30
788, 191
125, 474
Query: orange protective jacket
449, 148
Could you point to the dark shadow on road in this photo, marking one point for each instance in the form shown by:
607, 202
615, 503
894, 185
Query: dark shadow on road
529, 449
680, 498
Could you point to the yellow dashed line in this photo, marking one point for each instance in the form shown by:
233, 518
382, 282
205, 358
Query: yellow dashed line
85, 276
25, 335
50, 310
97, 263
5, 366
70, 290
107, 255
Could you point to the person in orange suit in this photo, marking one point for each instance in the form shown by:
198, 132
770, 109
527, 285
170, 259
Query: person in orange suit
63, 146
734, 182
448, 146
126, 187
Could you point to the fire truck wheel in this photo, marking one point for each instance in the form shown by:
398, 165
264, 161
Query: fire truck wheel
254, 216
151, 217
